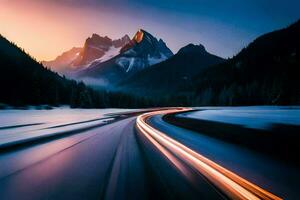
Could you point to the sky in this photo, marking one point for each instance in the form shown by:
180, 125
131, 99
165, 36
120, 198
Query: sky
46, 28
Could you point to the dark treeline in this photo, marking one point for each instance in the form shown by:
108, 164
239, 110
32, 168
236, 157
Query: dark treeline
264, 73
24, 81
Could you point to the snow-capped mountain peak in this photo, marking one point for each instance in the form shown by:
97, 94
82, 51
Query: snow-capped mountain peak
139, 36
95, 49
142, 51
104, 60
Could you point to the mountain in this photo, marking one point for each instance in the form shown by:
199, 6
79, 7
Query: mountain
63, 63
265, 72
96, 49
142, 51
177, 70
24, 81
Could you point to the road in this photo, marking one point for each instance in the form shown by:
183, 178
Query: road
152, 161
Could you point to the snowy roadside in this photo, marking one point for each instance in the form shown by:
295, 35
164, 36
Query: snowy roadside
255, 117
23, 126
268, 129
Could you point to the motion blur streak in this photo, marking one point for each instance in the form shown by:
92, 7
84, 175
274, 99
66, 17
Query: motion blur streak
231, 184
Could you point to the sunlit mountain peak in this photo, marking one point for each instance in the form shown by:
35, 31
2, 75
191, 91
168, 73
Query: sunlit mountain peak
139, 36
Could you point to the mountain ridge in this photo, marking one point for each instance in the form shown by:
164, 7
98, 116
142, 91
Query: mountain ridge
264, 72
180, 68
94, 48
143, 51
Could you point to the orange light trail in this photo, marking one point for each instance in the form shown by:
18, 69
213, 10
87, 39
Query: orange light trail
231, 184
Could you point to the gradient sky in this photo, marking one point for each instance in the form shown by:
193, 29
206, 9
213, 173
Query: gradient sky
46, 28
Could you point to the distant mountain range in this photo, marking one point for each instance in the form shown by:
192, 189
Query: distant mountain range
102, 61
265, 72
175, 71
144, 68
63, 64
143, 51
95, 49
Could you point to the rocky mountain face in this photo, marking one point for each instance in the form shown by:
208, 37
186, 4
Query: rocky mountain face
266, 72
96, 48
141, 52
121, 42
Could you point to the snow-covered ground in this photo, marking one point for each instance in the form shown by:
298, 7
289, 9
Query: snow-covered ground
22, 125
257, 117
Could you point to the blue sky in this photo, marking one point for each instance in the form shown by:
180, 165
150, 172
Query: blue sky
223, 27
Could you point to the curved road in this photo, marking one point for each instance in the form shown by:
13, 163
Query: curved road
135, 158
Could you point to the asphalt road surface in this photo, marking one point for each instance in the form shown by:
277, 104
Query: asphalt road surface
141, 157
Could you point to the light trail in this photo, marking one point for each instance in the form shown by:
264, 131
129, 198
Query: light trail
228, 182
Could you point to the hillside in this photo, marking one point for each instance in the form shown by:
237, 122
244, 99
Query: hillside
265, 72
96, 49
178, 70
24, 81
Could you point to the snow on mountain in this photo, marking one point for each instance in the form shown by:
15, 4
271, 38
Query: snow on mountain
171, 74
104, 60
153, 60
96, 49
142, 51
111, 52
